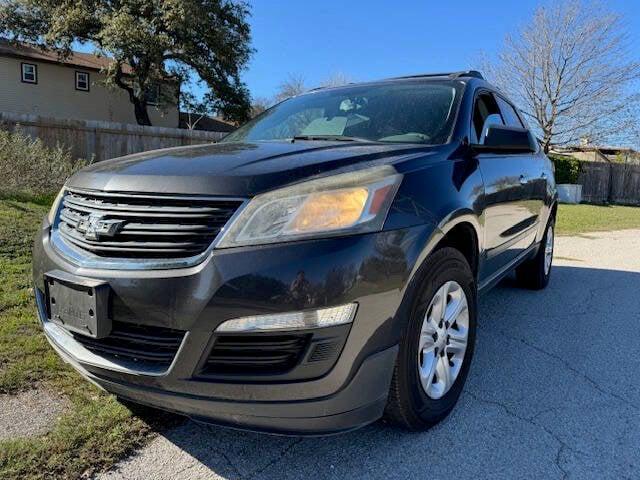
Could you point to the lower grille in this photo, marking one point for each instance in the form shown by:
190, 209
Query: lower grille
143, 344
255, 354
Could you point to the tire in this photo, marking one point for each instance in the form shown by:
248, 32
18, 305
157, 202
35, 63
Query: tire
415, 403
534, 274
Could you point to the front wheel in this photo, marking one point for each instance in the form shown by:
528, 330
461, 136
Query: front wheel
437, 345
534, 273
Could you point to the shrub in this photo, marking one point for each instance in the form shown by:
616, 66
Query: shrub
567, 168
29, 167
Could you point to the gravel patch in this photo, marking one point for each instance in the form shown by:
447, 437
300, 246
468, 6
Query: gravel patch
29, 414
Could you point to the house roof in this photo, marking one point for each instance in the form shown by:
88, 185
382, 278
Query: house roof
76, 59
210, 124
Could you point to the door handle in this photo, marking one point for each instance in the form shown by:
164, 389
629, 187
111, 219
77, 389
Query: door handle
523, 180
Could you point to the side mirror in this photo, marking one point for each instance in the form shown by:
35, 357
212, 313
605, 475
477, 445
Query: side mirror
501, 139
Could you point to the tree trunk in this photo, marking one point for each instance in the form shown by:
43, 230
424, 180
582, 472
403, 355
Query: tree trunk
546, 141
142, 115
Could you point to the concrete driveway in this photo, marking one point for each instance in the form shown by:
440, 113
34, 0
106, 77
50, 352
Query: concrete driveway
554, 392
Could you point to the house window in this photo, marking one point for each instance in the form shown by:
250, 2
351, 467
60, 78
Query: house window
82, 81
29, 73
152, 95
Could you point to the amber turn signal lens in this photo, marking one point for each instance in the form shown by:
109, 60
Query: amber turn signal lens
330, 210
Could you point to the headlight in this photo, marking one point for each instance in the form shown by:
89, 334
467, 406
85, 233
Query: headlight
51, 217
354, 202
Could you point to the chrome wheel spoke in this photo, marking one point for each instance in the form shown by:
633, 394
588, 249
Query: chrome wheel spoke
429, 326
455, 308
428, 369
439, 304
426, 341
443, 371
457, 344
548, 251
429, 332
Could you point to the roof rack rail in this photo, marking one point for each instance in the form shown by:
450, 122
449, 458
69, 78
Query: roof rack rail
463, 74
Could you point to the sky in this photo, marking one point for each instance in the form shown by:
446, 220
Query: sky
373, 39
367, 40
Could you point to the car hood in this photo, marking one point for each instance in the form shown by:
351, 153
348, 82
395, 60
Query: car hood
236, 169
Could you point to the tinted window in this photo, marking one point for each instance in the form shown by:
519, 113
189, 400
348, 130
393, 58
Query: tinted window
509, 114
403, 112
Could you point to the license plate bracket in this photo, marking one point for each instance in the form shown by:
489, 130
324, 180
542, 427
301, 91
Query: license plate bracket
78, 304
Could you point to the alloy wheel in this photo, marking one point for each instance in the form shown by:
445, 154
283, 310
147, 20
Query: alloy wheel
443, 340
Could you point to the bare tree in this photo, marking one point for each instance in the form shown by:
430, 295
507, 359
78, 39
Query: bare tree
571, 72
259, 105
195, 109
336, 80
292, 86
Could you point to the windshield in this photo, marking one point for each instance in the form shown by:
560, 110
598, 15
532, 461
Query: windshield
409, 112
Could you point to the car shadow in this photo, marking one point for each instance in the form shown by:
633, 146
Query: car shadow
537, 402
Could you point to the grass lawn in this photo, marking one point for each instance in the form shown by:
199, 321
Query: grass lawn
573, 219
96, 430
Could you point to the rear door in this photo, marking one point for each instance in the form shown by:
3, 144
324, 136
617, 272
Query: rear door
508, 214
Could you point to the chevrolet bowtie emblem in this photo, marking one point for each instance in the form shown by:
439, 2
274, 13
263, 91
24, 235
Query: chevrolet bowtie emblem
95, 226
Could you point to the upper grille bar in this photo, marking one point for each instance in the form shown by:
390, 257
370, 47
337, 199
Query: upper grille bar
82, 203
132, 226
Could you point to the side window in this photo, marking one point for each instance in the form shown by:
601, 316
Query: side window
82, 81
509, 114
152, 94
29, 73
512, 119
485, 114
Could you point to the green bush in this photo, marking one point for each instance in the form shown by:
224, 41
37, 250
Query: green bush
29, 167
567, 168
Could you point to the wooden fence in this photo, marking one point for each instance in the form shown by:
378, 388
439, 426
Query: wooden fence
102, 140
601, 182
617, 183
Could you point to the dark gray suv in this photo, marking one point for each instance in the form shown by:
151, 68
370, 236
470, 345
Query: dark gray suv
316, 269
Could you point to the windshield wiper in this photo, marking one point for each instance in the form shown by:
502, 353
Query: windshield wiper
330, 138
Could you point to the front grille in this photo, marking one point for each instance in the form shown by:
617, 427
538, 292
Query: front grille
255, 354
119, 225
145, 345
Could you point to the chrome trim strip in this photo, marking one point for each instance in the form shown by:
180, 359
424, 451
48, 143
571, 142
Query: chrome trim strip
82, 258
162, 196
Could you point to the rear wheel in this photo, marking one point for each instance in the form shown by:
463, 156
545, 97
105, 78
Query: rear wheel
534, 273
437, 346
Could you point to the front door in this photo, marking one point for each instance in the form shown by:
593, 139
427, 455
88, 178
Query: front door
509, 216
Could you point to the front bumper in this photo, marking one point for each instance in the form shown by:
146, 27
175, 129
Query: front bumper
348, 392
